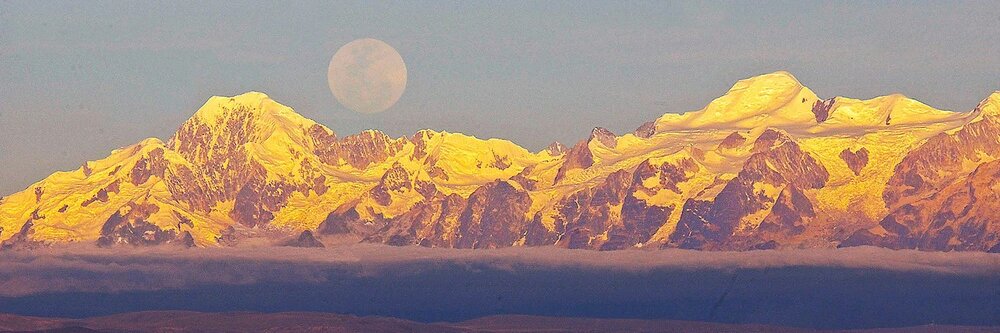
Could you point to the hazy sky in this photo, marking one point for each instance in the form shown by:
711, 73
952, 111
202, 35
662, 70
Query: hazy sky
81, 78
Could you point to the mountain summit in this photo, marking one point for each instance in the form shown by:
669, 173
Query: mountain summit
776, 99
768, 164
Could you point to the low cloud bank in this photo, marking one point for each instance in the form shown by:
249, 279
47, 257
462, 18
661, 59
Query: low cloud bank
81, 268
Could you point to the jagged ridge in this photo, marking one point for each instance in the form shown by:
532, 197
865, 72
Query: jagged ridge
767, 165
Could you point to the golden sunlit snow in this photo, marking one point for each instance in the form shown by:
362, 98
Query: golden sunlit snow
72, 206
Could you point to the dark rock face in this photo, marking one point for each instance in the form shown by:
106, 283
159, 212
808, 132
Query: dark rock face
934, 204
493, 217
186, 187
862, 237
257, 201
22, 239
604, 136
228, 237
500, 162
394, 179
610, 216
225, 170
132, 228
522, 179
646, 130
939, 160
693, 226
586, 215
148, 166
733, 140
319, 185
441, 231
790, 213
588, 218
994, 249
536, 234
855, 160
359, 150
218, 150
425, 188
778, 162
419, 141
342, 221
822, 109
555, 148
579, 157
768, 140
640, 221
437, 172
305, 239
959, 217
103, 195
408, 228
187, 240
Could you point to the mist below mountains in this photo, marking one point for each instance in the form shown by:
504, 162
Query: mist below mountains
823, 288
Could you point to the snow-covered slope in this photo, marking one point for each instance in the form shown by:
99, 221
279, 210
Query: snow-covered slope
775, 99
768, 164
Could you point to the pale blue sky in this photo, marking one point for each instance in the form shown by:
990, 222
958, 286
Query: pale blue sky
81, 78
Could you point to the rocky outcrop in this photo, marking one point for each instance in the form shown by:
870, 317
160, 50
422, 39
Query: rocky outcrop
732, 141
432, 222
257, 201
103, 194
130, 226
604, 136
345, 220
586, 216
21, 240
728, 177
217, 148
555, 148
937, 162
936, 201
822, 109
494, 216
395, 179
646, 130
224, 168
778, 162
639, 219
612, 215
359, 150
578, 157
856, 160
305, 239
789, 215
148, 166
959, 217
523, 179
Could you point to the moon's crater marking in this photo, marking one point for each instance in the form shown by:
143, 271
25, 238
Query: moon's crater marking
367, 75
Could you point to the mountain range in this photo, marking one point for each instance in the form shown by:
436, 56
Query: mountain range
768, 165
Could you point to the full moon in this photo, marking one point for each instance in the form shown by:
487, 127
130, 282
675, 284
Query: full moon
367, 75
